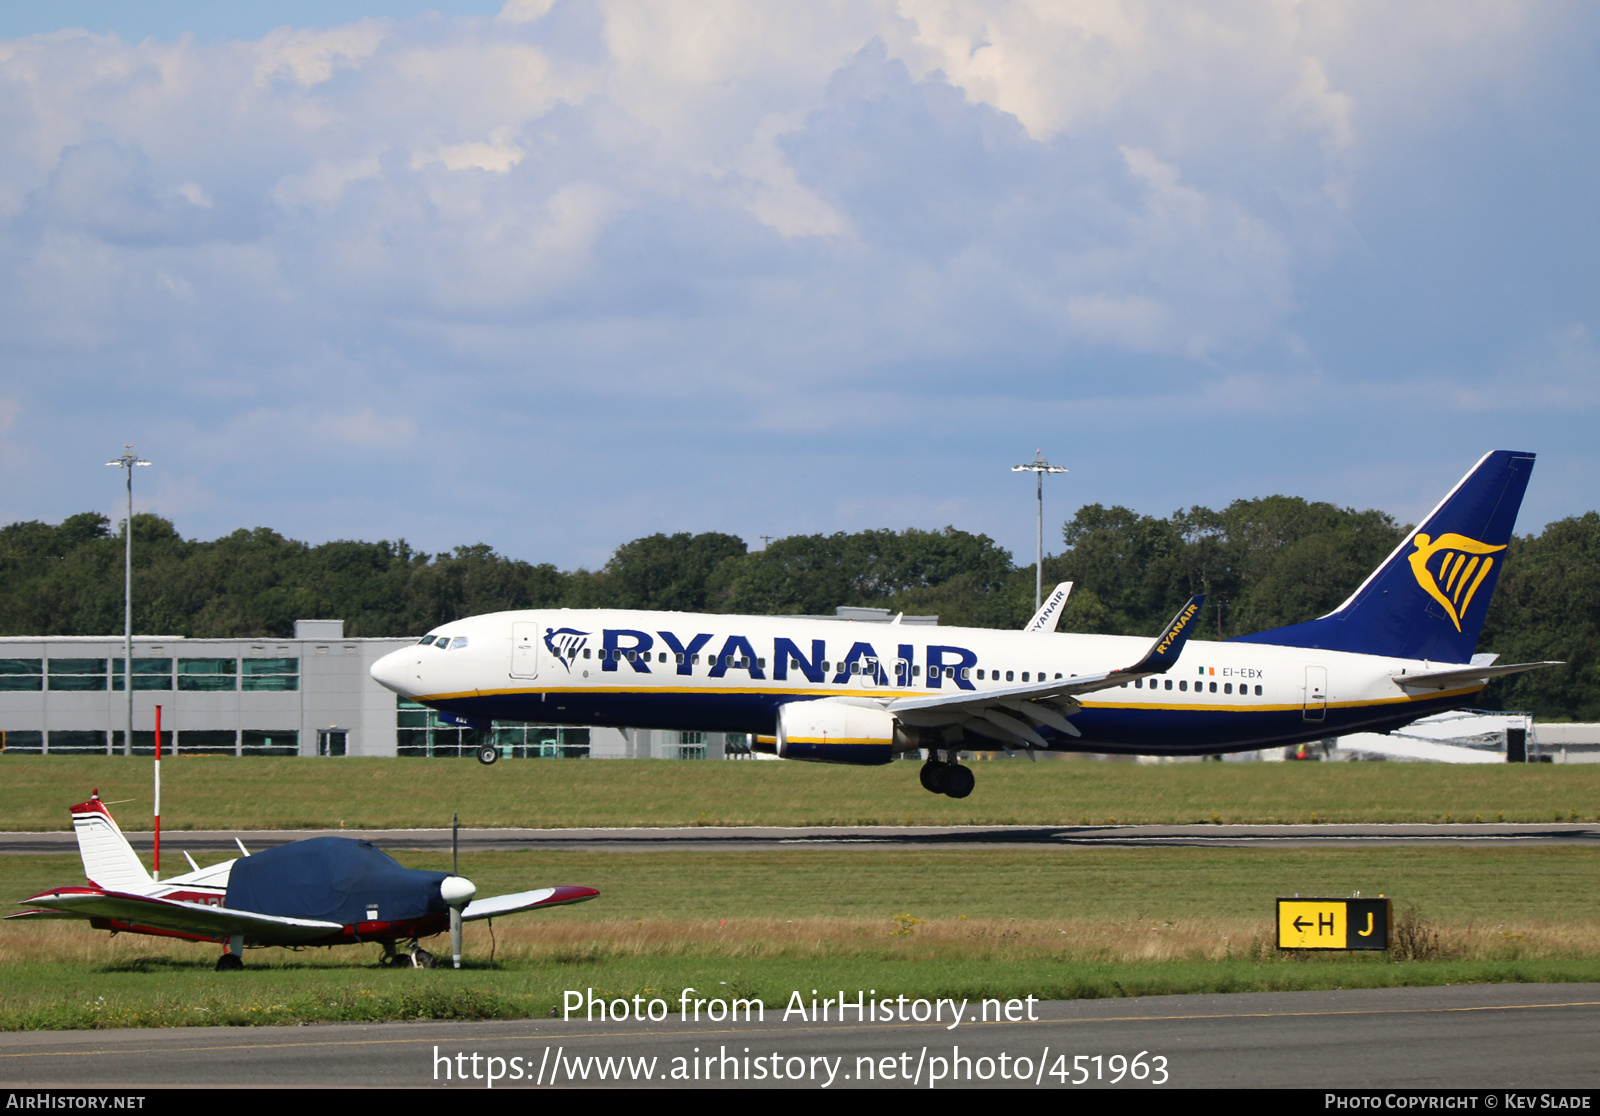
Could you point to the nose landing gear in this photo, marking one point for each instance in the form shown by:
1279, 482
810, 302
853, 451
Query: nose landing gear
947, 778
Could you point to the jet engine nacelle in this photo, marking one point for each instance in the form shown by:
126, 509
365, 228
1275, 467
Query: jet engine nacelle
838, 732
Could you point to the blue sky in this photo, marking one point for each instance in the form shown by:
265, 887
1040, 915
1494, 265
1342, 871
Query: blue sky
552, 276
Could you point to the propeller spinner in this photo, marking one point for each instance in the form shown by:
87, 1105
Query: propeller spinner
457, 892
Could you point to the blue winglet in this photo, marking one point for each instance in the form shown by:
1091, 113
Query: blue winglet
1164, 652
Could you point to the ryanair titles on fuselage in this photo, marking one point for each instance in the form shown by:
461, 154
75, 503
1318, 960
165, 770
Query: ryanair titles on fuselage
873, 655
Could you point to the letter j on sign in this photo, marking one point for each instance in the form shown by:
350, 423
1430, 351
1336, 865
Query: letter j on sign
1334, 923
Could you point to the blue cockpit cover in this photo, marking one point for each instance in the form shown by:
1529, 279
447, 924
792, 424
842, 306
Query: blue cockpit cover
333, 879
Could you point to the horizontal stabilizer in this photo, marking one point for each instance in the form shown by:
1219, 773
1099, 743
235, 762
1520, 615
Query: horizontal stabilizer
1465, 676
497, 905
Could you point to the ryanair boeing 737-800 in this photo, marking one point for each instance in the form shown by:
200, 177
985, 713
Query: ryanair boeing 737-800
837, 691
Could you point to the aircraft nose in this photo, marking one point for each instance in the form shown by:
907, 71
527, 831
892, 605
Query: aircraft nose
393, 670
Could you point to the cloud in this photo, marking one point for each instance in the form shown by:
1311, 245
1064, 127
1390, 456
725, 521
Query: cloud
607, 226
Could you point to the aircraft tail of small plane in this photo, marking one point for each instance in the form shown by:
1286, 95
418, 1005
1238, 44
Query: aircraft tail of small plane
109, 861
1429, 597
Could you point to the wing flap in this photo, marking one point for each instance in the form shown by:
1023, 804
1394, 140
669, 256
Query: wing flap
496, 905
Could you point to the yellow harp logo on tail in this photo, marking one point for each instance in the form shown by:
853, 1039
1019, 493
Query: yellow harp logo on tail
1450, 569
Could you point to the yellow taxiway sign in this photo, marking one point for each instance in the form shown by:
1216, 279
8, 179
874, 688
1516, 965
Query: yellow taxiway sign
1333, 923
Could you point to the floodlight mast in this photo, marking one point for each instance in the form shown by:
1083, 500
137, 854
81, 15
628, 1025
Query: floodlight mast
127, 461
1039, 467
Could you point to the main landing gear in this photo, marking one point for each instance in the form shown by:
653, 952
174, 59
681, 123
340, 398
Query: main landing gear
232, 958
418, 958
949, 778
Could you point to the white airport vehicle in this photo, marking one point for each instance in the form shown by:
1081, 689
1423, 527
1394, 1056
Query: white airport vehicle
1399, 648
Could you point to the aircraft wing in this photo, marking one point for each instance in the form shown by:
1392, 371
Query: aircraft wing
180, 916
1461, 676
35, 915
995, 712
497, 905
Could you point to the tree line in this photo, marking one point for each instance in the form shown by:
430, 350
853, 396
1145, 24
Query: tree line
1263, 563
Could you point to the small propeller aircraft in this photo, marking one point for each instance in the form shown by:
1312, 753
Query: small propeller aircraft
322, 892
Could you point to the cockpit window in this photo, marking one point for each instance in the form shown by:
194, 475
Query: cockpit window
458, 641
425, 641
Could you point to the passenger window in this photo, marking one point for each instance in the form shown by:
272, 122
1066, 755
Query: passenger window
1169, 683
1024, 676
980, 674
1011, 676
1213, 687
825, 666
585, 652
1227, 687
1258, 691
966, 672
916, 671
680, 658
1138, 683
1184, 685
855, 667
761, 664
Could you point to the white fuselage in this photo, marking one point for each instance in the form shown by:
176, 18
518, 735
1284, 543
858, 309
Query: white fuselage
733, 673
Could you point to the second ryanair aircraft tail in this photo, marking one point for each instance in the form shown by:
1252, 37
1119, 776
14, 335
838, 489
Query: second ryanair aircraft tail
1429, 598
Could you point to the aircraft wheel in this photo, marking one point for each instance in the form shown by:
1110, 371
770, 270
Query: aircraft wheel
933, 776
959, 781
228, 962
488, 754
422, 959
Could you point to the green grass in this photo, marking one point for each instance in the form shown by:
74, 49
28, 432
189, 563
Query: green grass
228, 793
1048, 922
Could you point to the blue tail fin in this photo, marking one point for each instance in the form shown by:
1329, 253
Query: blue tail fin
1428, 599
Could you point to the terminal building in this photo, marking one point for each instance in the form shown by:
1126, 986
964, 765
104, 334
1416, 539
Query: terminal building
310, 695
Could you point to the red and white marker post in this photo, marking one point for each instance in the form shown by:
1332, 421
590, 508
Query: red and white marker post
157, 873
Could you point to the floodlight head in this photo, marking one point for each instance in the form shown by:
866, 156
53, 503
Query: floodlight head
128, 459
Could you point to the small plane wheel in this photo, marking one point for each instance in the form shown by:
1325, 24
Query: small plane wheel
488, 754
933, 776
959, 781
228, 962
422, 959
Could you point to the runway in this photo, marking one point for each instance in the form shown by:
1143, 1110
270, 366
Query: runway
1526, 1037
756, 837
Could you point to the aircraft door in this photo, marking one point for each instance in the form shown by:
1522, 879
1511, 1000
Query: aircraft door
869, 673
1316, 706
525, 649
